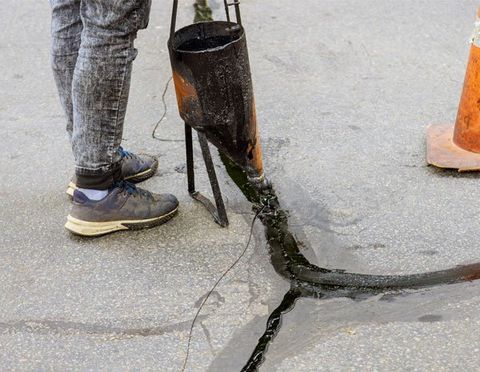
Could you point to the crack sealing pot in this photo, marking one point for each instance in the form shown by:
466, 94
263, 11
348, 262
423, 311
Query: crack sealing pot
213, 85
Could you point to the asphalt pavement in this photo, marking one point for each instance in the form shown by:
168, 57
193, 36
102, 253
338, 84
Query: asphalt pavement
344, 93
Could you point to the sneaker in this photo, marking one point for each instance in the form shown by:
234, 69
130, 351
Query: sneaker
135, 168
126, 207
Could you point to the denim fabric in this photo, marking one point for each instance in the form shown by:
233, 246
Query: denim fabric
92, 55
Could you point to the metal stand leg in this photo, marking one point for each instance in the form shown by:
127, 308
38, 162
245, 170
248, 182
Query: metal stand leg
219, 213
189, 148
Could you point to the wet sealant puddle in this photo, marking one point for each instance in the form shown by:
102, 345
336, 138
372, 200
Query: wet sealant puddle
310, 281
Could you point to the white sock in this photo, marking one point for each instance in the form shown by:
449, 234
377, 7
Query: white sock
94, 194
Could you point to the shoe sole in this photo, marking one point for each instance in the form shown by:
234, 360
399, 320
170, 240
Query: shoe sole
70, 189
87, 228
136, 178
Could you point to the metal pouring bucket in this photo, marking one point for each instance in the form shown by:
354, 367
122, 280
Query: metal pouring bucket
213, 84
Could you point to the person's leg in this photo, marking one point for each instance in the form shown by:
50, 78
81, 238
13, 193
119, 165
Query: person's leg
100, 87
66, 38
66, 30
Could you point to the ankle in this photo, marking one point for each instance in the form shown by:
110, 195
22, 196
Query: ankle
93, 194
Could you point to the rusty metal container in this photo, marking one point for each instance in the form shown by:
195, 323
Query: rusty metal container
213, 84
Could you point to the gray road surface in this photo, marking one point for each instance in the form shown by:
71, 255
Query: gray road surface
345, 90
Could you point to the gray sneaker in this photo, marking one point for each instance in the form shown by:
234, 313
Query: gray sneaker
135, 168
126, 207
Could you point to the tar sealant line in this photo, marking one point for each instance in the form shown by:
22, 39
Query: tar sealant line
273, 327
309, 280
290, 263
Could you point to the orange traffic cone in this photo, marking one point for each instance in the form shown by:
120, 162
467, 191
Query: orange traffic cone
458, 147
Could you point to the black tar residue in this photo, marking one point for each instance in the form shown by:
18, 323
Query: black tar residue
308, 280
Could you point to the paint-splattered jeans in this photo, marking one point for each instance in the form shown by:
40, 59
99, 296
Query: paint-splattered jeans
92, 55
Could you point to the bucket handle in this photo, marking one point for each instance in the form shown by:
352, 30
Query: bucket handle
235, 3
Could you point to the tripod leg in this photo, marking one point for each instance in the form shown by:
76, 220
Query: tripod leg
222, 218
189, 148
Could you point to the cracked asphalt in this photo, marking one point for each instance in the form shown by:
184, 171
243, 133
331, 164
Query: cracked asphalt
344, 94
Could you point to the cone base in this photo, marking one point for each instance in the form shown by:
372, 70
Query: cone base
443, 153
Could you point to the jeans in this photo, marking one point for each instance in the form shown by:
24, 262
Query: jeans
92, 55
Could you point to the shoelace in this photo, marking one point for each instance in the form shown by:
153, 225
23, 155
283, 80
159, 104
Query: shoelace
124, 153
131, 189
